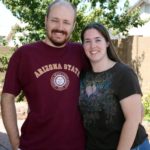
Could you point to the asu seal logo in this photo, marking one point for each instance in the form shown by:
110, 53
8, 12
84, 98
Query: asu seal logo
59, 81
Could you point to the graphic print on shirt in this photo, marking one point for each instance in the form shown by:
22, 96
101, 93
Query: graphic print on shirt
59, 80
97, 100
56, 66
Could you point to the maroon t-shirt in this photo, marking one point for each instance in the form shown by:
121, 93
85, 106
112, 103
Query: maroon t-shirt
49, 78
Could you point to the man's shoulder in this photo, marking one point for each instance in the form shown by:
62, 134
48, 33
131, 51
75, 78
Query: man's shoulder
75, 44
30, 45
26, 48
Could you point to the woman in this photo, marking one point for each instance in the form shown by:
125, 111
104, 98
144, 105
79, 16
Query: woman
110, 99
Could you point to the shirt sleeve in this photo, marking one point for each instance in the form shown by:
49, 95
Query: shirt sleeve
11, 82
128, 84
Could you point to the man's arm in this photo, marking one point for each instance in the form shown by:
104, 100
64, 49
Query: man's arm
10, 118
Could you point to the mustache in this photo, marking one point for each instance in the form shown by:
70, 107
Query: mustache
59, 31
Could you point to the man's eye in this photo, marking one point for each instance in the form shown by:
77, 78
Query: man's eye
54, 20
65, 22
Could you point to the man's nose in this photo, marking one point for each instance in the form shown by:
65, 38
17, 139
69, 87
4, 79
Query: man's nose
60, 25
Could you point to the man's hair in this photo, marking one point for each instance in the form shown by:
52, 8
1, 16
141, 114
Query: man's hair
61, 2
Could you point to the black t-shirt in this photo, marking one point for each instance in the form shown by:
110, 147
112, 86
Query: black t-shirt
100, 105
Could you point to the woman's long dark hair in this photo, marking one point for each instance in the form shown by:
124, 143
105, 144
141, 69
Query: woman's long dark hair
100, 28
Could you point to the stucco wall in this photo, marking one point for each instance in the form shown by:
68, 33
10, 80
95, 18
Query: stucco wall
135, 51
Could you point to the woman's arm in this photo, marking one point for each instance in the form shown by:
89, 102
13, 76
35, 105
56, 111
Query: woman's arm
142, 112
131, 107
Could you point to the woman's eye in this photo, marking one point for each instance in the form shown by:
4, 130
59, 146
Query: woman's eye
86, 41
98, 40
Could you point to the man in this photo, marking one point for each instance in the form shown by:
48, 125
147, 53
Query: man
48, 73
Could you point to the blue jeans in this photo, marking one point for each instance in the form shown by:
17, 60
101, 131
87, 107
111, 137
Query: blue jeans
144, 146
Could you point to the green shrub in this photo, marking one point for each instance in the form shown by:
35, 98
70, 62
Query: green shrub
146, 103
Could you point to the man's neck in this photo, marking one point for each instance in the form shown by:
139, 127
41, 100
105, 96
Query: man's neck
48, 42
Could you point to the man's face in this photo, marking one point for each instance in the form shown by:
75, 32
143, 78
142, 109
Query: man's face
59, 25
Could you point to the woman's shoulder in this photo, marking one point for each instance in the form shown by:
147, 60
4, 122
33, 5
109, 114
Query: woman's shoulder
124, 68
126, 71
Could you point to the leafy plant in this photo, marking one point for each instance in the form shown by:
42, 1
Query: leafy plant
4, 63
32, 13
146, 103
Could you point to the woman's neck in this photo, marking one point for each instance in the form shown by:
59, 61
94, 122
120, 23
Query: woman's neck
102, 66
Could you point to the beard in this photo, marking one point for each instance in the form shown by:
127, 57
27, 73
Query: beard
55, 41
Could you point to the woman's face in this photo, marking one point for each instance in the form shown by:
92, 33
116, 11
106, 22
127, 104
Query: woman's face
95, 45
